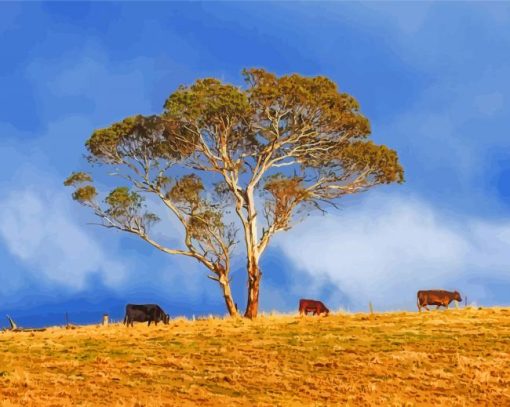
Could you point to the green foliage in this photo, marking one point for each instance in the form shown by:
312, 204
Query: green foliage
213, 125
213, 110
286, 192
306, 103
126, 208
286, 187
379, 159
187, 190
208, 102
77, 178
123, 202
85, 194
150, 137
202, 222
103, 144
204, 217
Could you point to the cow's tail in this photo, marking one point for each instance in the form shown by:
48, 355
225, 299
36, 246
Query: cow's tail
125, 319
418, 301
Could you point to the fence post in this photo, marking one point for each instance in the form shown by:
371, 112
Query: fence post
106, 319
12, 323
371, 307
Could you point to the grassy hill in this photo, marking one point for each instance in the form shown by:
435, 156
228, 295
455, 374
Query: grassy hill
455, 357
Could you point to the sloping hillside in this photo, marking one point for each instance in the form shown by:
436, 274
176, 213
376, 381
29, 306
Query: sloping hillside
454, 357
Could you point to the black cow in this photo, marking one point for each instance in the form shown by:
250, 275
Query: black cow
145, 312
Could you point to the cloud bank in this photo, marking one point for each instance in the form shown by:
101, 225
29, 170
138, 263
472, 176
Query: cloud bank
391, 246
39, 229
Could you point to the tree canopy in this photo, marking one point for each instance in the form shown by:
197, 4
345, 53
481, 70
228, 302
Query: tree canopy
278, 147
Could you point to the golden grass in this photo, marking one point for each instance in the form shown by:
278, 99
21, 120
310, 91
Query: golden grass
445, 358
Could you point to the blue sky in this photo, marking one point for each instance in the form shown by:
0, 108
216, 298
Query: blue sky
431, 77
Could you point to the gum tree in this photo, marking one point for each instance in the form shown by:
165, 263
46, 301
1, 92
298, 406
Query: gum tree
274, 151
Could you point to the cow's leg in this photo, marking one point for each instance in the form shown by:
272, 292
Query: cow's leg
426, 307
438, 306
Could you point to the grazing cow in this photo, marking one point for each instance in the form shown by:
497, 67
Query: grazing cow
436, 297
145, 312
317, 307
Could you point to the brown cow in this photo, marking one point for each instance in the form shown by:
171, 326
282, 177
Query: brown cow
317, 307
436, 297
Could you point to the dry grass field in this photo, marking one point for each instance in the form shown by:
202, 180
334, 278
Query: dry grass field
443, 358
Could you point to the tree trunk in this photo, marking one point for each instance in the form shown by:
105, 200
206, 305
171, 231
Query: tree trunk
252, 306
253, 256
227, 295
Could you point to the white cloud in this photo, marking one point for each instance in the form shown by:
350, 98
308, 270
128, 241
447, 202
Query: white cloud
391, 246
38, 227
39, 224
